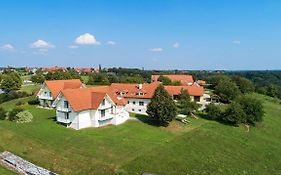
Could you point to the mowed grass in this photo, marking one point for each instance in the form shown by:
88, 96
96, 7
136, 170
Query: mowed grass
202, 147
4, 171
30, 89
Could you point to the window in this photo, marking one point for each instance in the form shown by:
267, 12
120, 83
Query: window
103, 102
197, 98
141, 103
50, 94
128, 102
134, 102
133, 109
66, 116
139, 110
111, 109
66, 104
102, 113
140, 93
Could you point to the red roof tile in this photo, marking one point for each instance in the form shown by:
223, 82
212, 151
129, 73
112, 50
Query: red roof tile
192, 90
55, 86
83, 98
184, 79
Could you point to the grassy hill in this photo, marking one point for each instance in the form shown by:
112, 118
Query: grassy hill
201, 147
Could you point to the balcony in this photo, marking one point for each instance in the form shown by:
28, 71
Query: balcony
63, 109
105, 118
44, 97
63, 120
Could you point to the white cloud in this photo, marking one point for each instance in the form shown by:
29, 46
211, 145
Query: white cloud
236, 42
176, 45
156, 49
86, 39
41, 44
73, 47
8, 47
111, 42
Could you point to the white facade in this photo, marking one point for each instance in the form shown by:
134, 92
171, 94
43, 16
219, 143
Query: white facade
45, 96
137, 105
107, 113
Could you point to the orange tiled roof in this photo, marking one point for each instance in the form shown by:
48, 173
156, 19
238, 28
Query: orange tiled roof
118, 100
192, 90
55, 86
184, 79
134, 90
83, 98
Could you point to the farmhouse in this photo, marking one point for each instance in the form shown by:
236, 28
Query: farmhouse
139, 95
84, 107
186, 80
51, 89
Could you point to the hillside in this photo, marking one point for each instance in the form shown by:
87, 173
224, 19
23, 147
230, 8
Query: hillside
202, 147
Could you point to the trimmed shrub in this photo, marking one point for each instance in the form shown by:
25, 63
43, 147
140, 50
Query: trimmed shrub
34, 101
19, 103
13, 114
24, 117
214, 112
2, 114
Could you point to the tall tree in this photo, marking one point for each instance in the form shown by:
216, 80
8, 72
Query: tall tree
165, 80
162, 107
227, 90
185, 105
245, 85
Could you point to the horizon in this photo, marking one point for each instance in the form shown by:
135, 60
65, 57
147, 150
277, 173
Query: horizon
154, 35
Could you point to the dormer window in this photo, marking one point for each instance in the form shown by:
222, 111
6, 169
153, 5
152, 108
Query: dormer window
140, 93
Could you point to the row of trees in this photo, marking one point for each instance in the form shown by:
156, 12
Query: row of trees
39, 77
244, 109
228, 88
105, 79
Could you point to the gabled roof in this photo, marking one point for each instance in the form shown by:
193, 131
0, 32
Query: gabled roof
55, 86
192, 90
118, 100
184, 79
83, 98
133, 90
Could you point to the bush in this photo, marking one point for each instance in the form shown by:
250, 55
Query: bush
2, 114
24, 117
214, 112
234, 114
34, 101
252, 107
19, 103
13, 114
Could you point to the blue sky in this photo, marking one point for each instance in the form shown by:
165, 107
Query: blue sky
154, 34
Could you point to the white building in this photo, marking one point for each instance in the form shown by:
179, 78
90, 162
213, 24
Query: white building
83, 108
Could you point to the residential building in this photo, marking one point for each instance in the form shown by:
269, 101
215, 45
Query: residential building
186, 80
84, 107
51, 89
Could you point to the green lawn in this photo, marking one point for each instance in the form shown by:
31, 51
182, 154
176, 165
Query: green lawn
202, 147
31, 89
4, 171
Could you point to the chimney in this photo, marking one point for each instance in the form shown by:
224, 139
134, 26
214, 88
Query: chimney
140, 86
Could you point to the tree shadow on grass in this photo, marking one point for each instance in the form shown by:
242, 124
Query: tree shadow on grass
206, 117
147, 120
52, 118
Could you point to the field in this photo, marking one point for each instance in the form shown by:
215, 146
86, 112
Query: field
4, 171
201, 147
